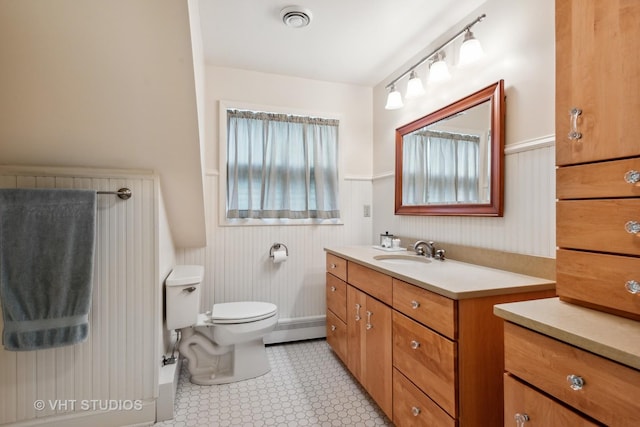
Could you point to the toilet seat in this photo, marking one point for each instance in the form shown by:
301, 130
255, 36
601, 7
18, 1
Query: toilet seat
241, 312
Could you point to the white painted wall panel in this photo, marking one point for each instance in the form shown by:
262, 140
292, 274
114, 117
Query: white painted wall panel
118, 360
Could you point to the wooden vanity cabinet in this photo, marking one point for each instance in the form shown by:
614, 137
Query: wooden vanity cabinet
424, 358
594, 387
598, 154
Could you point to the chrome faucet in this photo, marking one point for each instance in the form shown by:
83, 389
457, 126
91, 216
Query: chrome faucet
427, 249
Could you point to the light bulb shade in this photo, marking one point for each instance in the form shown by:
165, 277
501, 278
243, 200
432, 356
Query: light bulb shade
394, 99
439, 72
471, 49
414, 86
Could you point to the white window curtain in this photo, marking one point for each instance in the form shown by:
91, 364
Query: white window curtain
281, 166
440, 167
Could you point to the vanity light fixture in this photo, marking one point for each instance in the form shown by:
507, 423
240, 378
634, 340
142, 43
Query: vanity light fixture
414, 86
470, 51
438, 70
394, 100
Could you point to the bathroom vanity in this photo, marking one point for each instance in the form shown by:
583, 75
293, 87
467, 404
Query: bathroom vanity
420, 335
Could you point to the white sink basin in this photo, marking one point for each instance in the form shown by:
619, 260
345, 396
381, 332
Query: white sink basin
402, 259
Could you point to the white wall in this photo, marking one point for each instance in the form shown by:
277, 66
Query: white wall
519, 43
236, 259
105, 84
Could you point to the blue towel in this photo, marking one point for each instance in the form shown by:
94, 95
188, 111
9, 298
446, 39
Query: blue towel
46, 266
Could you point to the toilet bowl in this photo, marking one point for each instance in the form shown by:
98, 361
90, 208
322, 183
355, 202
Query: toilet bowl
221, 346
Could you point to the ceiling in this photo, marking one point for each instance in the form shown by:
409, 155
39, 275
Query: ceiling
350, 41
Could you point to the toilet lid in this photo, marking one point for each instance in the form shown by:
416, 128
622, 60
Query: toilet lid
242, 312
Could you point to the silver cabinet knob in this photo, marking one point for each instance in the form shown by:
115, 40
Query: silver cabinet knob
333, 289
332, 266
632, 177
632, 227
415, 411
575, 382
415, 344
415, 304
521, 419
333, 327
632, 287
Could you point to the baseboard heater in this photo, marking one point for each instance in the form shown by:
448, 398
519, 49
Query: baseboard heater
297, 329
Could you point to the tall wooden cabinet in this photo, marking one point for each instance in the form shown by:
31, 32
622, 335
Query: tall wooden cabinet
598, 154
550, 382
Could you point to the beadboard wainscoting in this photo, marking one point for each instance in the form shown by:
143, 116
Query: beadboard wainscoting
118, 364
238, 267
528, 224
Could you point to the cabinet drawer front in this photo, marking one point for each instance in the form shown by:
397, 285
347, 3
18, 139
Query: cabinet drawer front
336, 291
609, 391
337, 335
376, 284
428, 358
428, 308
336, 266
598, 225
599, 279
411, 407
540, 410
597, 180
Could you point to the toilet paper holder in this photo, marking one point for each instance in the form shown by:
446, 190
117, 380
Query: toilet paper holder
276, 247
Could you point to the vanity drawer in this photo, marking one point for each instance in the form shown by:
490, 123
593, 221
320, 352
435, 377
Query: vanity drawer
428, 358
337, 266
336, 291
609, 390
598, 225
521, 401
597, 180
376, 284
428, 308
599, 279
411, 407
337, 335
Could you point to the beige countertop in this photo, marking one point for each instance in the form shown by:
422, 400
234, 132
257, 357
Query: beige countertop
613, 337
452, 279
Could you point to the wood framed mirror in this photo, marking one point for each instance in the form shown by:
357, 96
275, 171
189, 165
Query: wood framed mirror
451, 162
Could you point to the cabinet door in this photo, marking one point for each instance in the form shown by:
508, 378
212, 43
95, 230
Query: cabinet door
525, 407
378, 370
597, 69
356, 306
337, 335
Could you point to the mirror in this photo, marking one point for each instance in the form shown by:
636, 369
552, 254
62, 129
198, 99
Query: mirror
450, 162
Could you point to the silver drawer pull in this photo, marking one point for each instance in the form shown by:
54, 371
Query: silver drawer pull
357, 312
632, 177
415, 344
632, 227
333, 289
332, 266
575, 382
574, 135
415, 411
632, 287
415, 304
369, 325
521, 419
333, 327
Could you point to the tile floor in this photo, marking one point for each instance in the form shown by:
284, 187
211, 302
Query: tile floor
307, 386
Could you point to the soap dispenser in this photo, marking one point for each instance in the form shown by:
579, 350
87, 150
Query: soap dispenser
386, 239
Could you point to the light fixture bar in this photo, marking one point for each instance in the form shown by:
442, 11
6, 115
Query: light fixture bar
438, 49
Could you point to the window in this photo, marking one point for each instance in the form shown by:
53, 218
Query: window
281, 166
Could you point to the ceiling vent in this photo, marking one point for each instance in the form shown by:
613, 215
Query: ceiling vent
295, 16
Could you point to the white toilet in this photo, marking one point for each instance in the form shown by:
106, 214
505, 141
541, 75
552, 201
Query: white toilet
222, 346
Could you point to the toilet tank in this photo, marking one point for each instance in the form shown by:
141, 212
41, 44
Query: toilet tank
183, 296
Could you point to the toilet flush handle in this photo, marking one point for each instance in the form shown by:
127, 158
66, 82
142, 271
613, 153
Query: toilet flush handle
189, 289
